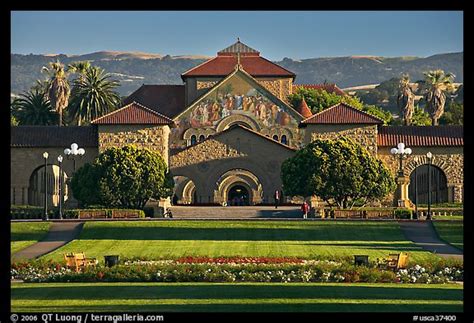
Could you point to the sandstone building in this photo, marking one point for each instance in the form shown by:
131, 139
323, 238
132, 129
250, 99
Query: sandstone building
225, 133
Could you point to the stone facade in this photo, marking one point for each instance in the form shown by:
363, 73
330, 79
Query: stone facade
235, 156
448, 159
145, 136
279, 87
366, 135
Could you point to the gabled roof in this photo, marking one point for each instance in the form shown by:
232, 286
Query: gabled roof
342, 113
238, 47
133, 113
165, 99
328, 87
251, 80
53, 136
231, 128
414, 136
227, 58
303, 109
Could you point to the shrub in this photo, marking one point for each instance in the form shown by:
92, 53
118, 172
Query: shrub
29, 212
403, 214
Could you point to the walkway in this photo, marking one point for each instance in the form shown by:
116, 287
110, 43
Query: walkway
59, 234
239, 212
424, 234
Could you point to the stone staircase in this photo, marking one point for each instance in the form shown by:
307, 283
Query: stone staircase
235, 212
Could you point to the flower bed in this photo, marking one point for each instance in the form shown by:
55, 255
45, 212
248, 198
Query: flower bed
234, 270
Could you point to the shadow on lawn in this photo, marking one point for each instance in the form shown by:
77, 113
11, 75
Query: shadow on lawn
337, 233
229, 291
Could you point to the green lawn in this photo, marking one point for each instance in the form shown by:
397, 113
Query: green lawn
216, 297
24, 234
311, 239
451, 232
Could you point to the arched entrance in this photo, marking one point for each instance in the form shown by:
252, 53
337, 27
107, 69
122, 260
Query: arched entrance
418, 190
36, 187
185, 191
238, 187
238, 196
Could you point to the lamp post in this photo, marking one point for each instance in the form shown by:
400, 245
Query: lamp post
416, 159
45, 156
60, 160
401, 152
73, 152
430, 159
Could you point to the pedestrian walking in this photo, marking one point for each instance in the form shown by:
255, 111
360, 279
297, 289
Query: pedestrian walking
277, 198
305, 209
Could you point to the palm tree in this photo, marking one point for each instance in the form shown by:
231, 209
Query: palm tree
438, 84
405, 99
58, 87
79, 68
33, 108
93, 96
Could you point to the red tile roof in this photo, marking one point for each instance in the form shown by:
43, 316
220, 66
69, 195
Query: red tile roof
53, 136
303, 109
413, 136
342, 113
328, 87
224, 65
133, 113
165, 99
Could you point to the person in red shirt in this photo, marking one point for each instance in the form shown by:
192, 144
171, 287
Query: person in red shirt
305, 209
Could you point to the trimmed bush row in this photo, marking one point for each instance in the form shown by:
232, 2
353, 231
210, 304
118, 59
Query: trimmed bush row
37, 212
170, 271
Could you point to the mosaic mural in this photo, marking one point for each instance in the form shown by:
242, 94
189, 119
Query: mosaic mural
234, 97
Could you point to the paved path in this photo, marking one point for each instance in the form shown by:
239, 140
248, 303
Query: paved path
59, 234
424, 234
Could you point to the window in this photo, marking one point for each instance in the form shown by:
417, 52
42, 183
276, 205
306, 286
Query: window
284, 140
193, 140
201, 138
275, 137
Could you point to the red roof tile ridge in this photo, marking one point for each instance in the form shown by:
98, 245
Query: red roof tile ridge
327, 110
141, 106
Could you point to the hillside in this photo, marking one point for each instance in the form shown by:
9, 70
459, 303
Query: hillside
133, 69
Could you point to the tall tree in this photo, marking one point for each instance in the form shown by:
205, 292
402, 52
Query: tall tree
405, 99
33, 108
80, 68
58, 87
438, 84
93, 95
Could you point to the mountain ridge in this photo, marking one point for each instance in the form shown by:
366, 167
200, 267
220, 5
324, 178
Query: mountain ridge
133, 69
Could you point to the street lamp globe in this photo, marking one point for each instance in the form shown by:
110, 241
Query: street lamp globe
429, 155
401, 146
81, 151
60, 158
45, 155
67, 151
408, 151
394, 151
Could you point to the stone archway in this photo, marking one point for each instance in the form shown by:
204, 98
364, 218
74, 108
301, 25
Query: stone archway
419, 190
238, 119
185, 190
238, 177
36, 186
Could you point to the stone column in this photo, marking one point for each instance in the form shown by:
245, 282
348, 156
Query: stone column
401, 194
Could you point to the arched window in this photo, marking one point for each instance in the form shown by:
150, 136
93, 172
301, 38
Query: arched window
284, 140
201, 138
275, 137
193, 140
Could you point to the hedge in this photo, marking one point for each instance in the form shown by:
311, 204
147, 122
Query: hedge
37, 212
29, 212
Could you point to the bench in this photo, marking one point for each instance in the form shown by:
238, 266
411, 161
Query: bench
77, 261
394, 261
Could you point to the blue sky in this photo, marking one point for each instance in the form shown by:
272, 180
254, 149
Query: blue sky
276, 34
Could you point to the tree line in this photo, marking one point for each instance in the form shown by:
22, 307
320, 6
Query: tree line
57, 101
431, 110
